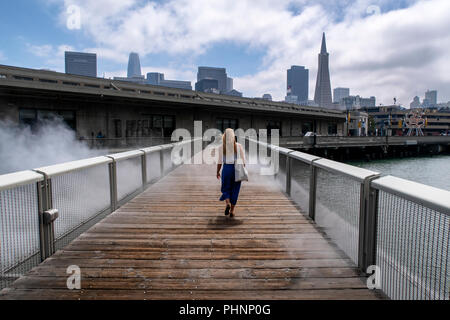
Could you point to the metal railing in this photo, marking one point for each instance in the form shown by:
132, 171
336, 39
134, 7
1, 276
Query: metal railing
399, 226
344, 141
43, 210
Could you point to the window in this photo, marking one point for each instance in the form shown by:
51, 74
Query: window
28, 117
131, 129
92, 86
157, 126
273, 125
146, 128
23, 78
169, 126
69, 118
48, 81
223, 124
332, 129
32, 117
75, 84
307, 127
118, 128
139, 128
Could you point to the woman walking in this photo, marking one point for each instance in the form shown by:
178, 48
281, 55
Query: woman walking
229, 152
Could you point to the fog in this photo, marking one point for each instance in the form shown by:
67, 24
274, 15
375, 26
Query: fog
51, 142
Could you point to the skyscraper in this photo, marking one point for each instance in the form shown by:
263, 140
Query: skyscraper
134, 66
157, 79
340, 93
81, 64
431, 96
415, 103
323, 85
207, 84
229, 84
298, 83
220, 74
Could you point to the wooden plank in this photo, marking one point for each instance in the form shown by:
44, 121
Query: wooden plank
324, 294
173, 242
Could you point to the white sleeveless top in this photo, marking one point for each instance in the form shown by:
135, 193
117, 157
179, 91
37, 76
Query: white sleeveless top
231, 160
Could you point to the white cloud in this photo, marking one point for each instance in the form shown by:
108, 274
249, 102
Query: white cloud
396, 53
52, 56
2, 56
43, 51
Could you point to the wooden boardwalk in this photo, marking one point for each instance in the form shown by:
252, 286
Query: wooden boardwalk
174, 242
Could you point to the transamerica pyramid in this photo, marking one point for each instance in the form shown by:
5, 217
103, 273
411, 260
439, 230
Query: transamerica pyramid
323, 85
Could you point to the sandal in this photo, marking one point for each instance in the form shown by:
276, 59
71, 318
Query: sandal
227, 210
232, 215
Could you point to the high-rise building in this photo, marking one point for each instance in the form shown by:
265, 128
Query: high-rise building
415, 103
206, 85
229, 84
137, 80
431, 96
357, 102
134, 66
234, 93
291, 99
323, 84
298, 83
81, 64
157, 79
340, 93
220, 74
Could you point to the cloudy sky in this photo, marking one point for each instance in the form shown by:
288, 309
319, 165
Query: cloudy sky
384, 48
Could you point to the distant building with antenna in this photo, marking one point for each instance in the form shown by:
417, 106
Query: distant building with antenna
323, 96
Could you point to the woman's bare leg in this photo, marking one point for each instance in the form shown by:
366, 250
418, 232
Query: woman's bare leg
232, 209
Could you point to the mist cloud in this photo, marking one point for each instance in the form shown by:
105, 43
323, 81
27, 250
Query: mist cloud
52, 143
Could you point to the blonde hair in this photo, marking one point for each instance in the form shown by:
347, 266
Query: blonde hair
229, 139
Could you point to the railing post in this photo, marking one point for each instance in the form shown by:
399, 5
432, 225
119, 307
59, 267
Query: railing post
161, 162
367, 224
47, 217
172, 166
288, 174
312, 191
113, 184
144, 169
372, 225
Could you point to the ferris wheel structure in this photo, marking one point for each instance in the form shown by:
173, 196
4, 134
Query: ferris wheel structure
415, 122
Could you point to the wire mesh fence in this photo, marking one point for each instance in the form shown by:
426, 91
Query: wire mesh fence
281, 175
412, 249
19, 232
153, 163
167, 160
338, 210
300, 181
129, 177
83, 192
79, 196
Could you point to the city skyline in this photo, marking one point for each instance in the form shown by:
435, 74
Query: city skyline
398, 63
85, 64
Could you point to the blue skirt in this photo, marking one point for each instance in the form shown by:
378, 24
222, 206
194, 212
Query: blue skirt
230, 188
